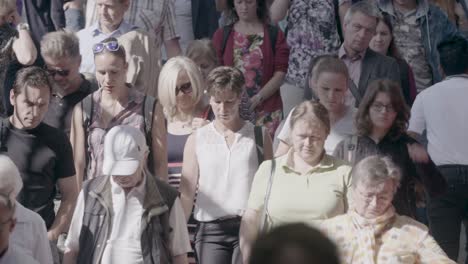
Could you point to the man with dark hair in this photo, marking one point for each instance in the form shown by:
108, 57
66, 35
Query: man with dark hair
61, 54
42, 153
442, 111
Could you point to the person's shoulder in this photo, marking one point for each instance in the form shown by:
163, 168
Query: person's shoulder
19, 255
86, 32
339, 165
383, 59
26, 215
48, 131
336, 224
409, 225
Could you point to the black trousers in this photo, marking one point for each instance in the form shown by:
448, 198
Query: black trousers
447, 212
217, 242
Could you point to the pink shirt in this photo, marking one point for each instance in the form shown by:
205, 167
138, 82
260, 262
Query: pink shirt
353, 64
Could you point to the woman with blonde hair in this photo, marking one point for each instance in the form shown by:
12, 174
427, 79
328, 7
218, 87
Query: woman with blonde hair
181, 92
115, 103
305, 185
203, 53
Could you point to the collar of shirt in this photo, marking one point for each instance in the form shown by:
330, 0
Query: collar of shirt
137, 191
342, 54
123, 28
287, 164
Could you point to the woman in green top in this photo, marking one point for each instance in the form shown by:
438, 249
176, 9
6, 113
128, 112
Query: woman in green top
305, 185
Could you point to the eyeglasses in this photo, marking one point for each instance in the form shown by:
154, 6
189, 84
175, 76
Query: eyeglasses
379, 107
62, 73
185, 88
110, 46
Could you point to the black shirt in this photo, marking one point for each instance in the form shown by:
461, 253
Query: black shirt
43, 155
60, 110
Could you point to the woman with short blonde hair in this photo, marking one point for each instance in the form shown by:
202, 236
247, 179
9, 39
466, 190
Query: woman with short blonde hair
304, 185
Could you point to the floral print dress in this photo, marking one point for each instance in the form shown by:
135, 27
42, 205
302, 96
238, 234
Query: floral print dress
312, 31
248, 58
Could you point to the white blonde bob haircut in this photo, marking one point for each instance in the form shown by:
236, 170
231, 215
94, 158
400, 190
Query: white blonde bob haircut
167, 83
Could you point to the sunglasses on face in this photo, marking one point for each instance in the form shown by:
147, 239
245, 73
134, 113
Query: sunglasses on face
185, 88
62, 73
110, 46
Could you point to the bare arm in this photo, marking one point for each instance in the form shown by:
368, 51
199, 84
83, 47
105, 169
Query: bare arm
180, 259
282, 149
75, 4
267, 147
159, 147
172, 47
77, 139
189, 178
23, 46
69, 257
69, 193
248, 232
278, 10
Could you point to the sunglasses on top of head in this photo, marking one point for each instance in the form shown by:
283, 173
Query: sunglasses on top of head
110, 46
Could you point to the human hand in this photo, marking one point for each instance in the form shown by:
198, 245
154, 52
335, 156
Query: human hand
52, 235
255, 101
417, 153
75, 4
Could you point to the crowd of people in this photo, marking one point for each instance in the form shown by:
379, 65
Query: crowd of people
233, 131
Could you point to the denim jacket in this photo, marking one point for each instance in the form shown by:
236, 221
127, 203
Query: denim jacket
435, 28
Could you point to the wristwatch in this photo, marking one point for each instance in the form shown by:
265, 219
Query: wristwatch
22, 26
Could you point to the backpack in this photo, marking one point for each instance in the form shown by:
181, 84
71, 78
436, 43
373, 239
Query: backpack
149, 103
272, 32
4, 131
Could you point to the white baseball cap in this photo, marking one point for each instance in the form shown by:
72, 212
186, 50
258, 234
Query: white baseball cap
124, 148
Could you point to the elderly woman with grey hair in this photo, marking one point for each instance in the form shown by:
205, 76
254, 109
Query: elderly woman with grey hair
30, 232
371, 231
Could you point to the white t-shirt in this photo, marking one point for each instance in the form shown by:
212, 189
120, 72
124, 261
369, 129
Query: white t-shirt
123, 244
338, 132
442, 110
16, 255
30, 234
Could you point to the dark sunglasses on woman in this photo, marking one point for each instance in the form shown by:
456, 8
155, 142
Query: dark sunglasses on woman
185, 88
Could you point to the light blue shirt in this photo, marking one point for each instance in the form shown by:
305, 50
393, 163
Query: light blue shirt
92, 35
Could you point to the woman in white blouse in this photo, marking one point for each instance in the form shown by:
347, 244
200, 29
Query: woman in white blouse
221, 158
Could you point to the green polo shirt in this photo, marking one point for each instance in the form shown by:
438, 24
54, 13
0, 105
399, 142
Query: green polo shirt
311, 198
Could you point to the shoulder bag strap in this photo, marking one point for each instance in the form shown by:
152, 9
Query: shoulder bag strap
267, 197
